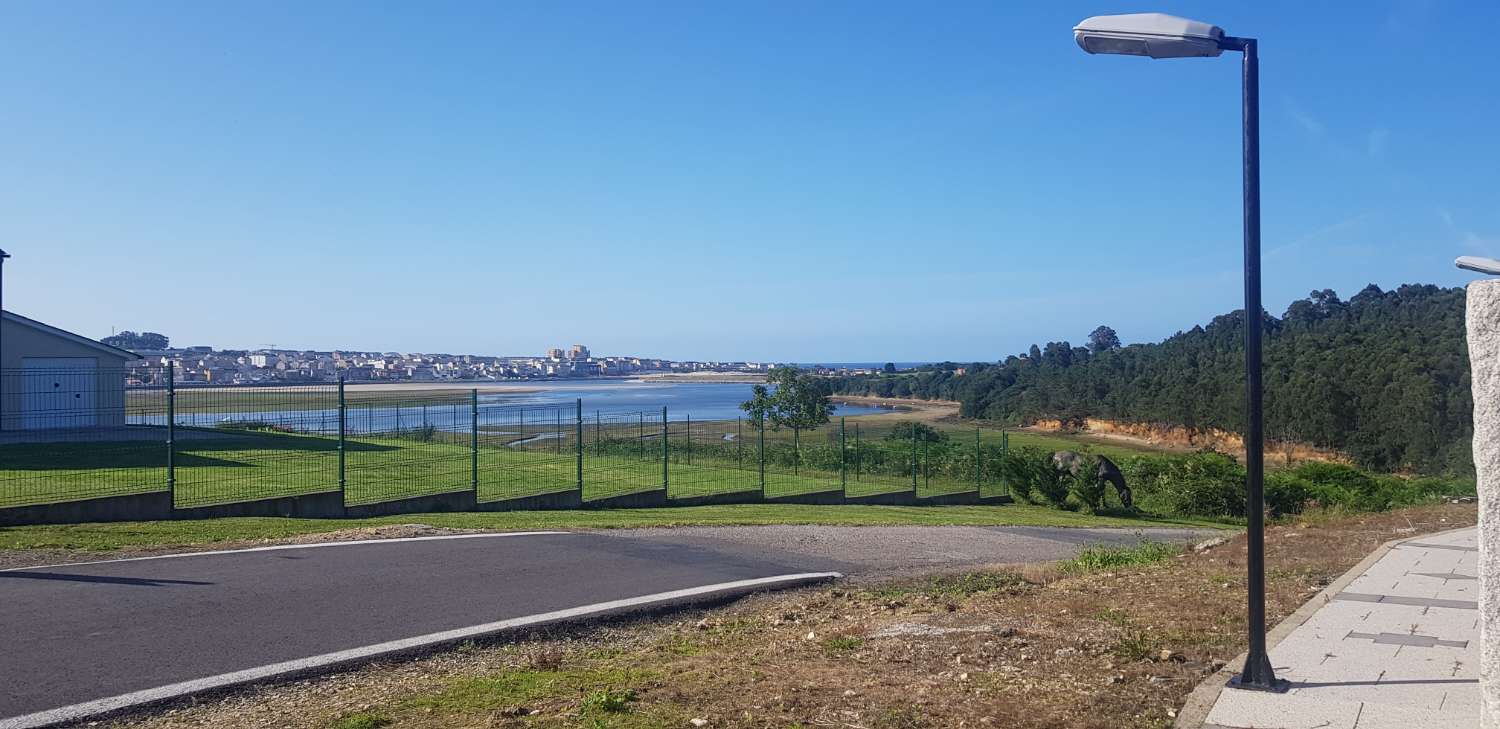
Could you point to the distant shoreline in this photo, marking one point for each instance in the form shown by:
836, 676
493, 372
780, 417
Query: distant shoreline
726, 377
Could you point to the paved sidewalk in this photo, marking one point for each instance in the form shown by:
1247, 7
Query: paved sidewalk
1398, 646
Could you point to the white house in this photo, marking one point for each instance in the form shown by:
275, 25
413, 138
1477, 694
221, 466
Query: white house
51, 378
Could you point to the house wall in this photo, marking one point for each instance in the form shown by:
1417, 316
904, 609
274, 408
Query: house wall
21, 341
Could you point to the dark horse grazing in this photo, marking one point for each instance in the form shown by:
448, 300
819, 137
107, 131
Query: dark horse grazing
1069, 462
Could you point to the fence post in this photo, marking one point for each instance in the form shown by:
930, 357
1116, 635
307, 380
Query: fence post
640, 437
1004, 449
926, 465
843, 461
978, 453
665, 455
598, 435
857, 455
557, 431
171, 433
762, 450
739, 442
579, 449
473, 439
343, 425
690, 439
796, 449
914, 458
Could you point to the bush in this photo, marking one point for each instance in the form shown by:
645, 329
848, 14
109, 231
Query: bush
1085, 490
1286, 493
1202, 484
1340, 486
1032, 477
905, 430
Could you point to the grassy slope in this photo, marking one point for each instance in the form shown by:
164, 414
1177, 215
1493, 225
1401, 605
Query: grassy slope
123, 535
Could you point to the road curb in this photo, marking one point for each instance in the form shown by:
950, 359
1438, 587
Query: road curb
418, 645
1194, 713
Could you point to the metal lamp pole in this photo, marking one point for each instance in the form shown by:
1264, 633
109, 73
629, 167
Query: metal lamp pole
1163, 36
1257, 673
3, 256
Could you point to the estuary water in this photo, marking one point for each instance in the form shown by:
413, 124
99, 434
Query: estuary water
701, 400
504, 405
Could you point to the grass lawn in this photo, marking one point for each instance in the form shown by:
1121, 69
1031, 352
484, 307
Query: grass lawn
218, 466
153, 534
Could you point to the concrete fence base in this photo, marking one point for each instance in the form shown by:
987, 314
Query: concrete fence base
330, 505
895, 498
641, 500
817, 498
734, 497
451, 501
326, 505
135, 507
540, 502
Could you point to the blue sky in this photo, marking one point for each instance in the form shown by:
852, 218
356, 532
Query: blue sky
827, 181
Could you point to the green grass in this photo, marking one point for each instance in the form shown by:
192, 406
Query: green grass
216, 466
843, 643
608, 690
1103, 557
159, 534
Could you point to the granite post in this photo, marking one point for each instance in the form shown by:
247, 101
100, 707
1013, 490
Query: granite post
1484, 362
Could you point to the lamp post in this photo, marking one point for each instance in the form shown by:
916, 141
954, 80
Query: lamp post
3, 256
1163, 36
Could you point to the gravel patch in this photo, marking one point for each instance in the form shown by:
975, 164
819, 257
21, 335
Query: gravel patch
885, 551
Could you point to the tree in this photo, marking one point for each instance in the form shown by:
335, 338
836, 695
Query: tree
1103, 339
908, 430
1382, 377
800, 402
889, 368
131, 340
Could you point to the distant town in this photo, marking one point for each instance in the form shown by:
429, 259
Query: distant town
203, 364
275, 366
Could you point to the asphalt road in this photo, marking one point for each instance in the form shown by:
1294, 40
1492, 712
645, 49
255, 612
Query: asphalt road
85, 633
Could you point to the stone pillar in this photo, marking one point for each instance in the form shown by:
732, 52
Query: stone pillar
1484, 361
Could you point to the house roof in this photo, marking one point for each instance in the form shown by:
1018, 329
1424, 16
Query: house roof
11, 316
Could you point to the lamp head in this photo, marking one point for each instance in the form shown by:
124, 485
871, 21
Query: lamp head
1476, 263
1149, 34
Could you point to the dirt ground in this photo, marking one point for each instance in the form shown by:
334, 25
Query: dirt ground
1017, 646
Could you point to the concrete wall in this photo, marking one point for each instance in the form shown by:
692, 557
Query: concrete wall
639, 500
572, 499
451, 501
135, 507
21, 342
1484, 361
326, 505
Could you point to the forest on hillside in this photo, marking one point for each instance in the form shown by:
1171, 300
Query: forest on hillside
1382, 377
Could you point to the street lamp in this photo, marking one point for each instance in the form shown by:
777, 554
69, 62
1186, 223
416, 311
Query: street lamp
1164, 36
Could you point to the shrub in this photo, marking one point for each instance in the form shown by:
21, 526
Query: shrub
904, 430
1032, 476
1085, 490
1286, 493
1202, 484
1341, 486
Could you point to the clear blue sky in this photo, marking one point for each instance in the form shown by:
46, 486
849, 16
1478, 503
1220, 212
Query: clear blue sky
827, 181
